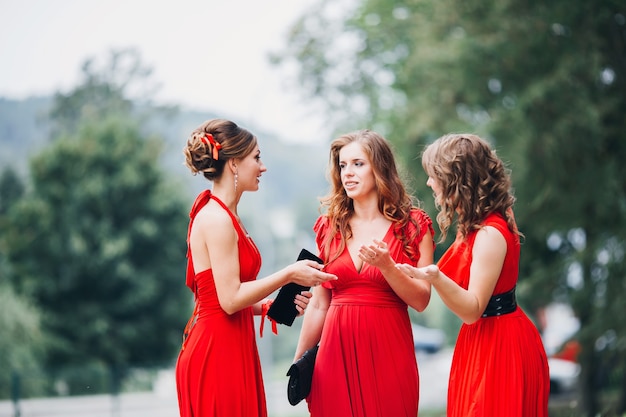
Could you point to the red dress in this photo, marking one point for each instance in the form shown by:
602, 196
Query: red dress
218, 372
366, 365
499, 366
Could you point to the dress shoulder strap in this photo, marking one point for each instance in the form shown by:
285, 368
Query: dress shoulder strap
201, 201
238, 227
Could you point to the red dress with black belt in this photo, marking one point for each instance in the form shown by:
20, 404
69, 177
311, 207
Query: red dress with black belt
499, 366
365, 365
218, 372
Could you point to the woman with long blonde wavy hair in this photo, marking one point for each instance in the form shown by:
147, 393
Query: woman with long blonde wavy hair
366, 362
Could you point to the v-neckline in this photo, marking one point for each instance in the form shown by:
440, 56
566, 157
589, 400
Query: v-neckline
363, 263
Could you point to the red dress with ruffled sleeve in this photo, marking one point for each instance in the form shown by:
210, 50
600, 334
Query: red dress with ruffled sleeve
366, 365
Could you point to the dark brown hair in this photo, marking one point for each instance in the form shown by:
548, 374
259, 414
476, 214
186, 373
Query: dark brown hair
235, 142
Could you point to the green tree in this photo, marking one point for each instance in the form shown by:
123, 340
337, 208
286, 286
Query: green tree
122, 84
21, 344
99, 245
98, 240
11, 189
21, 338
546, 83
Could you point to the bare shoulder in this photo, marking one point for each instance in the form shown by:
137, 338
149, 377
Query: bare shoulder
490, 240
214, 218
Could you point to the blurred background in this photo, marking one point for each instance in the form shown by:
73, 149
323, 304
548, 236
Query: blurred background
97, 100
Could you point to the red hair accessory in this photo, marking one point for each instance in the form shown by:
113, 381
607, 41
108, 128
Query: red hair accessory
209, 140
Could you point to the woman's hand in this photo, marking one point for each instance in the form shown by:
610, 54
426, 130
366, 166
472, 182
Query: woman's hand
376, 254
428, 273
302, 301
309, 273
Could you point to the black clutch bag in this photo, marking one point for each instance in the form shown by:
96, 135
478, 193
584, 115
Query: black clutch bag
300, 375
283, 310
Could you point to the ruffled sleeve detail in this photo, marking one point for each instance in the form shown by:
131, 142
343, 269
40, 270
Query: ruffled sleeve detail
425, 225
321, 229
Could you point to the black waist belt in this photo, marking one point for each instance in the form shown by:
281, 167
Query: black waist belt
500, 304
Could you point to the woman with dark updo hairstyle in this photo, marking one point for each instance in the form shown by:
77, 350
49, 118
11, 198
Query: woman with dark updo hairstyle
499, 366
218, 372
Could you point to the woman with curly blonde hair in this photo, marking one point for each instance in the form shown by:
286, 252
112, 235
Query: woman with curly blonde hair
366, 363
499, 366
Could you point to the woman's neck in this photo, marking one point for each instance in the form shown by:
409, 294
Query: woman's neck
227, 195
366, 210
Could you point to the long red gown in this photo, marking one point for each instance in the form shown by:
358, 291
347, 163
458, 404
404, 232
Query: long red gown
499, 366
218, 372
366, 365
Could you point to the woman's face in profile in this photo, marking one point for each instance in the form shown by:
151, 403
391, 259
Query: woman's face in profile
434, 184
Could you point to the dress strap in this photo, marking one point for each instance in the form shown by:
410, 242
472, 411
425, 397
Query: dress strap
201, 201
232, 216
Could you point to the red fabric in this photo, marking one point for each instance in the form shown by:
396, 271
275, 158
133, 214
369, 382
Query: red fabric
202, 199
365, 365
218, 372
499, 366
570, 351
265, 307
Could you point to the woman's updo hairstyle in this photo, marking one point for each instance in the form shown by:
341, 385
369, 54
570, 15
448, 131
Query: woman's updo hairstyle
213, 143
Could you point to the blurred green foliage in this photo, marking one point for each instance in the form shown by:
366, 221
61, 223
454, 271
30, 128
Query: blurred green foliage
94, 242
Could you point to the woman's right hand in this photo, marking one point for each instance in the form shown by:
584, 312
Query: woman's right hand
309, 273
428, 273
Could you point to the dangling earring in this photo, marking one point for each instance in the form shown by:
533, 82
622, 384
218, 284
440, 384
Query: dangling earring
236, 176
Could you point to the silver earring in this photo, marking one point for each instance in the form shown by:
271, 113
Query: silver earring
236, 176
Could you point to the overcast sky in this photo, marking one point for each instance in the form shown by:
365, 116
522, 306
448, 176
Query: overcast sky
207, 54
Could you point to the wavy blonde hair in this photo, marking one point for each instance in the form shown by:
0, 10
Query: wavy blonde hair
474, 182
393, 200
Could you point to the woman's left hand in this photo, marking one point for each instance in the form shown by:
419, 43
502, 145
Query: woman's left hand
302, 301
376, 254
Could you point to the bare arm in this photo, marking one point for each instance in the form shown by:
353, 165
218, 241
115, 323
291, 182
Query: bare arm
301, 301
313, 321
416, 293
487, 259
214, 245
